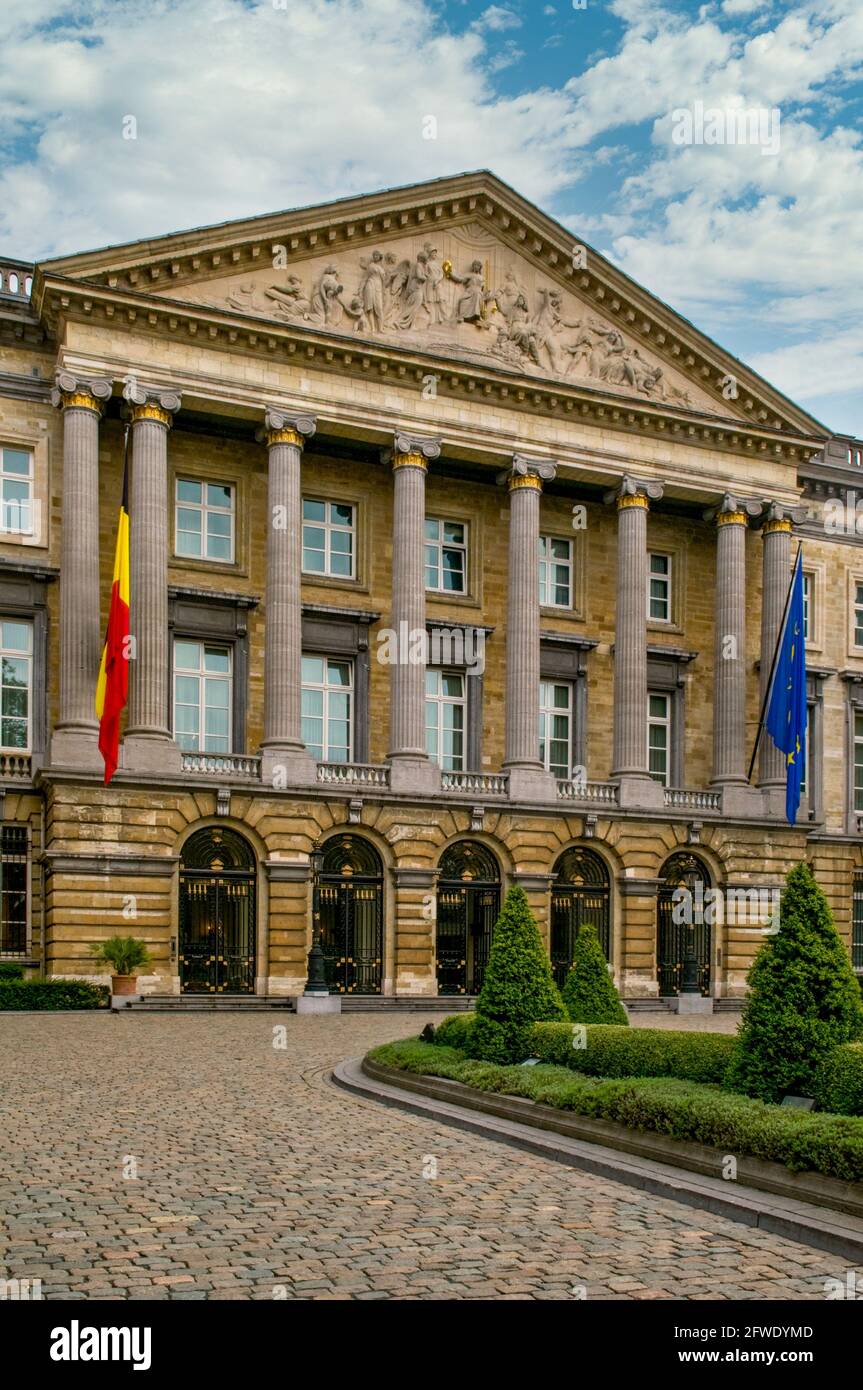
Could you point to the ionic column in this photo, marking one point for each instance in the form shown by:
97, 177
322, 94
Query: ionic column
74, 741
776, 572
148, 746
410, 765
284, 754
729, 677
630, 639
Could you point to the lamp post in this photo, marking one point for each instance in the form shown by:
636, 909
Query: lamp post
317, 980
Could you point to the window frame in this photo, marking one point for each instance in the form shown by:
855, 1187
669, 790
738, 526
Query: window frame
204, 507
441, 545
31, 502
668, 577
329, 527
201, 674
27, 952
667, 722
27, 750
547, 561
440, 702
326, 689
549, 709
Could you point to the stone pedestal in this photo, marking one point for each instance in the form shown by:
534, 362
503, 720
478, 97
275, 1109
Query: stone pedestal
319, 1004
694, 1004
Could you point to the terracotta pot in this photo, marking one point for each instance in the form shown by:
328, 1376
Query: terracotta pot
124, 984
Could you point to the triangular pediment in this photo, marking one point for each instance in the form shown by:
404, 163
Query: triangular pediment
463, 270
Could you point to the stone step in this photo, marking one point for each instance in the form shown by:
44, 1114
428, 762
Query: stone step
200, 1003
381, 1003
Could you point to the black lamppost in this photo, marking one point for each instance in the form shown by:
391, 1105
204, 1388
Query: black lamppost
317, 980
690, 983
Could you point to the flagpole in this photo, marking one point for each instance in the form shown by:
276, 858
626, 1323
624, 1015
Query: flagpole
769, 686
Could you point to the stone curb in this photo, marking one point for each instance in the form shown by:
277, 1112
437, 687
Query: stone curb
823, 1229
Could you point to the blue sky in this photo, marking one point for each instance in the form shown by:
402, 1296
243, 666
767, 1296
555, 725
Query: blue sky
246, 106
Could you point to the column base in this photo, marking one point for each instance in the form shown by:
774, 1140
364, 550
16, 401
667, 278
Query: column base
531, 784
741, 800
638, 792
76, 748
287, 765
150, 753
409, 773
773, 801
319, 1004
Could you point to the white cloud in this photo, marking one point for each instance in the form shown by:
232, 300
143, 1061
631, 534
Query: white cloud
496, 18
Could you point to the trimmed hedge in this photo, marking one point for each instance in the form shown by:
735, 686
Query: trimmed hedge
53, 994
802, 1141
613, 1050
839, 1080
10, 970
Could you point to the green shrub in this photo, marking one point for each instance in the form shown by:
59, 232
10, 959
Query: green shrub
123, 953
10, 970
614, 1051
839, 1080
53, 994
803, 998
829, 1144
454, 1030
589, 995
518, 989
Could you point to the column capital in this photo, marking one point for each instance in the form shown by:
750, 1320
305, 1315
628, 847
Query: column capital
411, 450
157, 404
634, 492
72, 392
733, 511
779, 516
283, 428
527, 472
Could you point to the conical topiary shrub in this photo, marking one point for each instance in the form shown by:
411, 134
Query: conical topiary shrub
518, 989
803, 999
589, 994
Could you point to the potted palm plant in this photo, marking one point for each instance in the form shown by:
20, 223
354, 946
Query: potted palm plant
125, 954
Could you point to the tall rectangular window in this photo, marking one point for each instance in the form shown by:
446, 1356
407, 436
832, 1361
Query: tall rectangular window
555, 727
445, 719
858, 615
555, 572
16, 491
202, 697
808, 613
327, 710
328, 538
16, 684
857, 924
858, 760
446, 556
659, 588
204, 520
658, 736
14, 880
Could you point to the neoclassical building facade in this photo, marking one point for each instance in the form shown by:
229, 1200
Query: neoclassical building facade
457, 560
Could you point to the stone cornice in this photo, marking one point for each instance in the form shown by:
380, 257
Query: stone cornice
499, 386
236, 247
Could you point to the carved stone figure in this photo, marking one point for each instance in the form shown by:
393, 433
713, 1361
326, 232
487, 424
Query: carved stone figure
410, 300
326, 306
289, 300
470, 303
433, 290
371, 290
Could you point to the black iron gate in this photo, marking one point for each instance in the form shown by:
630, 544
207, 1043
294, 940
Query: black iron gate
217, 914
682, 871
580, 893
352, 916
468, 905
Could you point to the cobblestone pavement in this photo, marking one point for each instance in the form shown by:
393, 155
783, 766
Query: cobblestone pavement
256, 1178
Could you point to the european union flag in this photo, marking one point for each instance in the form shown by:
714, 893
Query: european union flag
786, 712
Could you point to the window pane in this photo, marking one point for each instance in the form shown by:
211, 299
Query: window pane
216, 693
189, 543
313, 704
313, 561
314, 511
659, 564
15, 703
657, 706
219, 523
187, 655
187, 690
342, 514
561, 697
432, 684
186, 719
218, 548
341, 541
453, 532
15, 671
216, 722
13, 733
313, 670
16, 492
560, 549
218, 496
339, 673
452, 686
217, 659
187, 491
16, 461
15, 636
340, 565
432, 529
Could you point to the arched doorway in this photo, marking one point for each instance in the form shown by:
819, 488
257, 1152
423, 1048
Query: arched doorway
468, 905
218, 917
682, 870
352, 915
581, 893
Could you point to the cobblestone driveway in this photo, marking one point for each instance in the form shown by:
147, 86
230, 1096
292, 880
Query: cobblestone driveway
257, 1178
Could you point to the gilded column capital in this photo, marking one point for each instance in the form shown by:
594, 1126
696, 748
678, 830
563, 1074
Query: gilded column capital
283, 428
157, 404
733, 511
71, 392
780, 517
526, 472
411, 451
634, 492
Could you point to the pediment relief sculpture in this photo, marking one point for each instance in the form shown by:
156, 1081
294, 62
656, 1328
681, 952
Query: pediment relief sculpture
459, 308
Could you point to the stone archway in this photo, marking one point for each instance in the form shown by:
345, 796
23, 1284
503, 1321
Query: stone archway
217, 913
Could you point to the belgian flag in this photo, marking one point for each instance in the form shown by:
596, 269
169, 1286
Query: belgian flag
113, 685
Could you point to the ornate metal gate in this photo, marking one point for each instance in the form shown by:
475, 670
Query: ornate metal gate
468, 905
682, 870
581, 892
217, 914
352, 916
